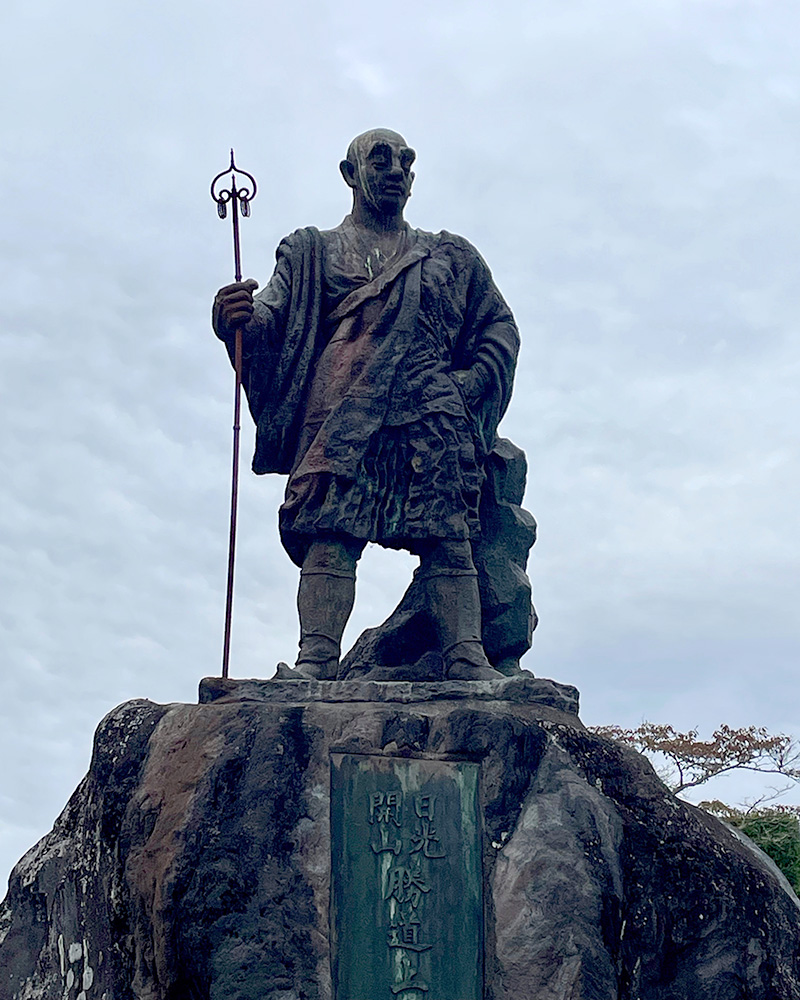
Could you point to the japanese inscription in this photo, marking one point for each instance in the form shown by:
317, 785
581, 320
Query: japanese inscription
407, 909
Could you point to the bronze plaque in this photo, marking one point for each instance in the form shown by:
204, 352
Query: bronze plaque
406, 880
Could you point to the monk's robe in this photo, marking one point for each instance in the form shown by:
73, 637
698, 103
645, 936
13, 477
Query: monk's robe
348, 368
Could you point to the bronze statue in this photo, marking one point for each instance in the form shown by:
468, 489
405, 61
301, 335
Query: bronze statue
377, 363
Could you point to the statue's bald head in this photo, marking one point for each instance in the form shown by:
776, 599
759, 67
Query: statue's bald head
377, 167
359, 147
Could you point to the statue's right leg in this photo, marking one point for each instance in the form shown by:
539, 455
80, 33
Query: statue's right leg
324, 602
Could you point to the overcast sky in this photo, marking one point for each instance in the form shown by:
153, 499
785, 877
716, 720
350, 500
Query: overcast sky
630, 172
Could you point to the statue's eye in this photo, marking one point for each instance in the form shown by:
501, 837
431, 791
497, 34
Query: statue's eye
381, 157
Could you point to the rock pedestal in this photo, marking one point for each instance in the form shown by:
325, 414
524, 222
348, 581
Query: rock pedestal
195, 859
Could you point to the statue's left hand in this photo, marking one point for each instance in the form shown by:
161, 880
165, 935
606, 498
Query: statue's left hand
471, 382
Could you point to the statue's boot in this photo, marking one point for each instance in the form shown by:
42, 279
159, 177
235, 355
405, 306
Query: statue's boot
455, 606
467, 661
324, 602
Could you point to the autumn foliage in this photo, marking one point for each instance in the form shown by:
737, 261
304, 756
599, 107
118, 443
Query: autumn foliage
685, 761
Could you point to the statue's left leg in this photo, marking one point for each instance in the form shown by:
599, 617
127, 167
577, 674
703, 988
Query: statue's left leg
451, 581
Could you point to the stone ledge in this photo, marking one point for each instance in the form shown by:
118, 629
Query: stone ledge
522, 688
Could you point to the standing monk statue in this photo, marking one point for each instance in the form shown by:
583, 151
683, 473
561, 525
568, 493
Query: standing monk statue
377, 363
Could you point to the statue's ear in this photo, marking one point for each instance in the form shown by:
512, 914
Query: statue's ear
348, 172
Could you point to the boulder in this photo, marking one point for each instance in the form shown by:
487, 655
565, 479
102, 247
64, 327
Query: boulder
194, 860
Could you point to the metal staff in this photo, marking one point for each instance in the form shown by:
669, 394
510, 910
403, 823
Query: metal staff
238, 197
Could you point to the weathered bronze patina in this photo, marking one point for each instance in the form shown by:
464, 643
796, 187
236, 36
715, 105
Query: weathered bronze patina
377, 364
406, 888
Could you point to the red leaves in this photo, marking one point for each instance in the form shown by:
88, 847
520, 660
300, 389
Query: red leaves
690, 761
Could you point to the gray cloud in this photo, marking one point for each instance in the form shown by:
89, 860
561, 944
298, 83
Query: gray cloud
629, 171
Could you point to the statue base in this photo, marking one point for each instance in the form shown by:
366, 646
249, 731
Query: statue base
519, 689
312, 840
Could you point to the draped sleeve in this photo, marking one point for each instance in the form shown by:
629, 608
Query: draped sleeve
488, 339
280, 346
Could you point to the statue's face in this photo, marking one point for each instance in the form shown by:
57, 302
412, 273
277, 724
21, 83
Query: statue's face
384, 174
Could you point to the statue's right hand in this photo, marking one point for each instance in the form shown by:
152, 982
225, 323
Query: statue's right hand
233, 307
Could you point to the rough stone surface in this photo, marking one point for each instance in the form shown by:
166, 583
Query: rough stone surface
193, 862
522, 688
508, 532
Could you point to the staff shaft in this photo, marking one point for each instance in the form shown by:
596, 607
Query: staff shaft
237, 407
237, 257
236, 197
